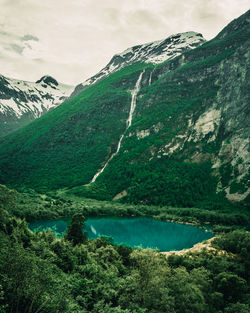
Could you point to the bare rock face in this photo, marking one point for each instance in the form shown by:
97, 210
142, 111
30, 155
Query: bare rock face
217, 128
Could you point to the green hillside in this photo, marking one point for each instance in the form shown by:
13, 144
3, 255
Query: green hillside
186, 146
65, 147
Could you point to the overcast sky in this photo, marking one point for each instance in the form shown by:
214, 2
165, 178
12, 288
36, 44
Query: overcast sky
73, 39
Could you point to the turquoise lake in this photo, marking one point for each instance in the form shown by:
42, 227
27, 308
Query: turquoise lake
134, 232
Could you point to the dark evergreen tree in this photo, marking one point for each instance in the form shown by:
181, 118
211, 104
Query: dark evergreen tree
75, 230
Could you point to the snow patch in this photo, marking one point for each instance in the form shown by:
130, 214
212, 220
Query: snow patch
153, 52
36, 98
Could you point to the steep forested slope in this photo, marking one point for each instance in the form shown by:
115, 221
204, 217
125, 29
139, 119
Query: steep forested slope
191, 128
188, 140
65, 147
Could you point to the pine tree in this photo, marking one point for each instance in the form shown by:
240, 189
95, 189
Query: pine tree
75, 230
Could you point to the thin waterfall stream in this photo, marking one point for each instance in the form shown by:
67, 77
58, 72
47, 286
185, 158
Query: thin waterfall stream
128, 124
150, 79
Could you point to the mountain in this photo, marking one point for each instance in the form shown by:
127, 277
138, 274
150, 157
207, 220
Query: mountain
22, 101
154, 52
175, 133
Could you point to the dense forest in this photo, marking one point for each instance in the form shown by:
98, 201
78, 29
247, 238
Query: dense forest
41, 273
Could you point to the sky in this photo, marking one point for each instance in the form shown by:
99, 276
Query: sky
72, 40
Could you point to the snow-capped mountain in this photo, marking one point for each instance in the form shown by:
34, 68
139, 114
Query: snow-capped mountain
175, 133
154, 52
22, 101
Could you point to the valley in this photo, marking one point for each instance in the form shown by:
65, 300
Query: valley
184, 131
149, 155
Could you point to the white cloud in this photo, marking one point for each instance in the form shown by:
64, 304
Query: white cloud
73, 39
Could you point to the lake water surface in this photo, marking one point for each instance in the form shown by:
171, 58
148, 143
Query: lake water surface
134, 232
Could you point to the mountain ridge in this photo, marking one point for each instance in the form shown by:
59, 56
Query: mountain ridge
152, 52
22, 101
187, 146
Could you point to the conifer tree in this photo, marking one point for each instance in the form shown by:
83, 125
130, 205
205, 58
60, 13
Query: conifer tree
75, 230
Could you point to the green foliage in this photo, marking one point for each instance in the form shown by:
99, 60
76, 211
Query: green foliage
25, 280
238, 308
236, 242
161, 181
231, 286
7, 197
80, 129
240, 186
226, 173
206, 62
74, 232
41, 273
222, 215
2, 306
95, 191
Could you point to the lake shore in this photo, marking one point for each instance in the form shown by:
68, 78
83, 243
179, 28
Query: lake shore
196, 248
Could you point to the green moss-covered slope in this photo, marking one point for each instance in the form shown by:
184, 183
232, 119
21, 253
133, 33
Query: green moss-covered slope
187, 145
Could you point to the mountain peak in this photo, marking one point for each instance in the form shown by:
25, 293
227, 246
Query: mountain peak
159, 51
236, 25
49, 80
22, 101
153, 52
166, 44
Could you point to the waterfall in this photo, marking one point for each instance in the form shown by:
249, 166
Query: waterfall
150, 79
133, 100
128, 124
